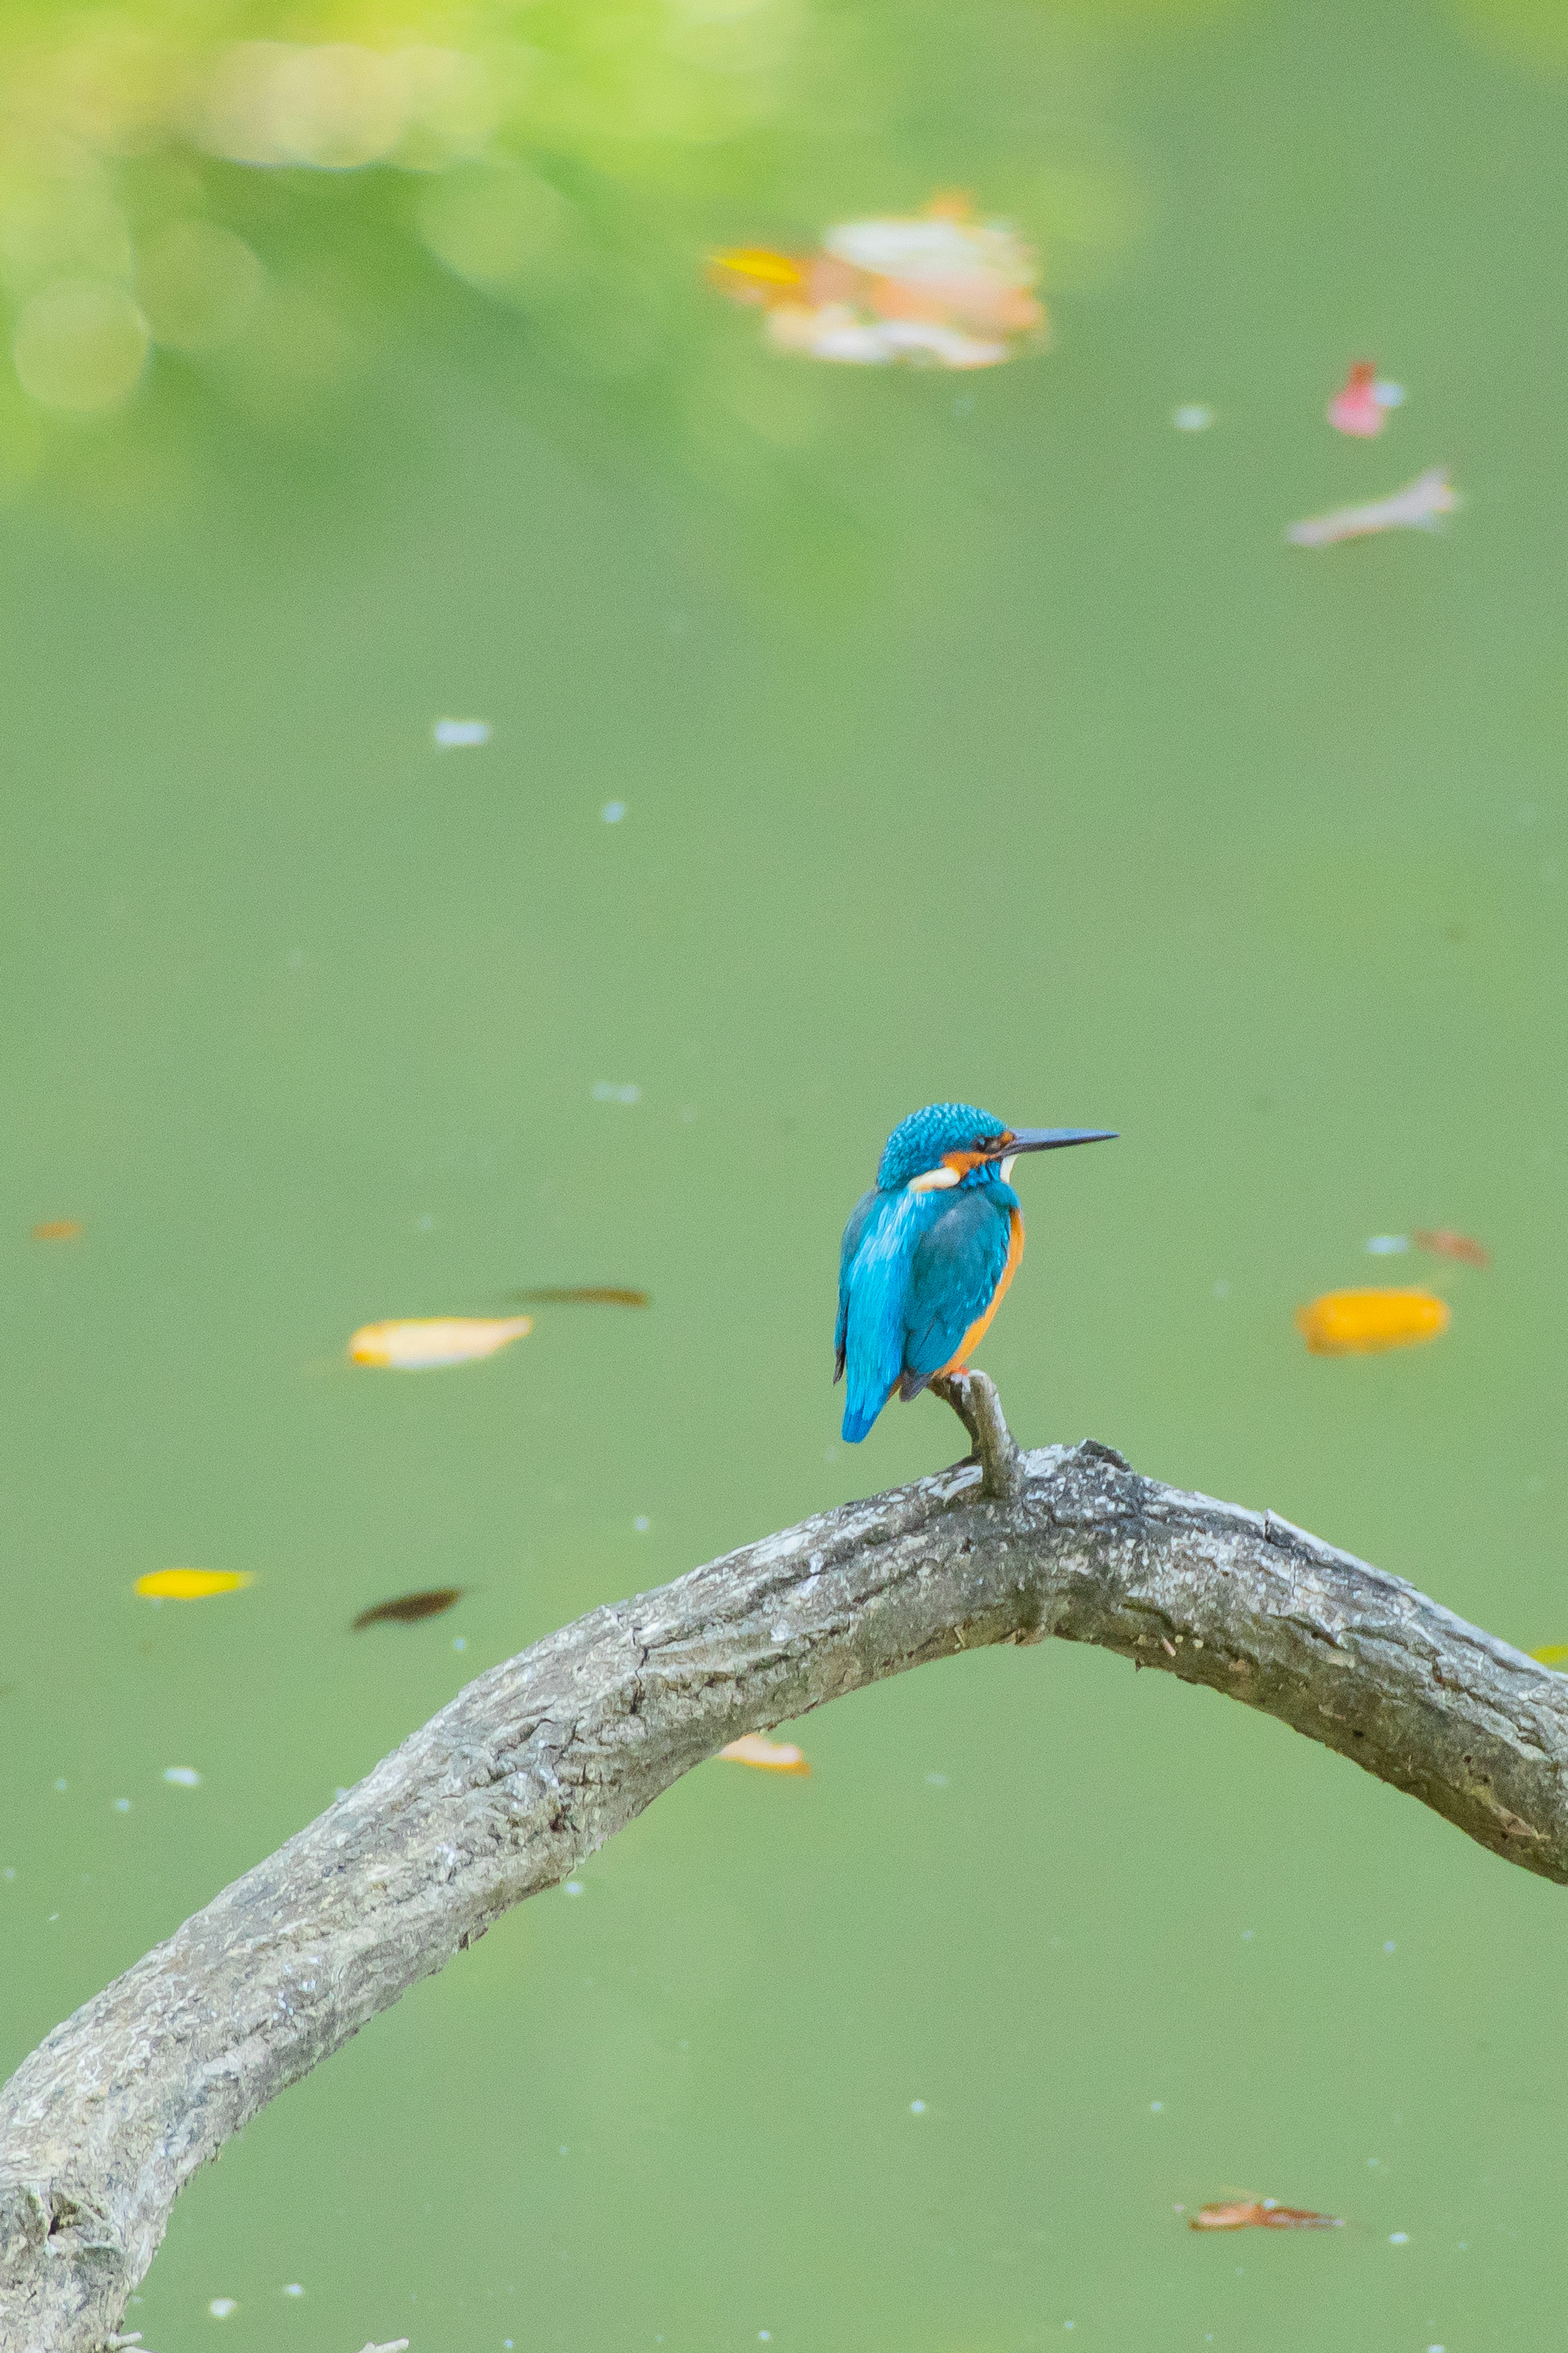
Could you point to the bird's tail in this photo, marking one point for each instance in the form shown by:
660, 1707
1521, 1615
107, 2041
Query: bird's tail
859, 1416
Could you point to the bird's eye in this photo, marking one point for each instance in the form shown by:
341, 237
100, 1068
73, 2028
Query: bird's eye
984, 1144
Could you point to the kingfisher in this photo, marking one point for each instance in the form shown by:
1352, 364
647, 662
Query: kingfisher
930, 1249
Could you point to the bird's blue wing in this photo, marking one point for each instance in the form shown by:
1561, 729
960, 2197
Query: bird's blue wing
954, 1274
846, 1250
875, 1296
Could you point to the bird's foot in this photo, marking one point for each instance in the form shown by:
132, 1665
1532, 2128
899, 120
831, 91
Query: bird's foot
973, 1398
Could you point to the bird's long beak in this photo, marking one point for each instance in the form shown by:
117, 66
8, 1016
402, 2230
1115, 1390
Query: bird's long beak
1048, 1139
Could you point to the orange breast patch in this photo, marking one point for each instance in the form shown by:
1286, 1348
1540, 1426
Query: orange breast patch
976, 1331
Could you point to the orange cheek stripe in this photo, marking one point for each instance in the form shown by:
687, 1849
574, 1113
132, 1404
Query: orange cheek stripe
976, 1331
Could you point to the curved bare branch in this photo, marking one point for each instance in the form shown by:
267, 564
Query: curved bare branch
545, 1757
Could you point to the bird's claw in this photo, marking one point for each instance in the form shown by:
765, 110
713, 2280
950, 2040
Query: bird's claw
973, 1398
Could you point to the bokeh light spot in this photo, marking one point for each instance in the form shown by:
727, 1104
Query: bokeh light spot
80, 345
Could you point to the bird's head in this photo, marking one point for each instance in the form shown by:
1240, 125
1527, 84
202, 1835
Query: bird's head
957, 1143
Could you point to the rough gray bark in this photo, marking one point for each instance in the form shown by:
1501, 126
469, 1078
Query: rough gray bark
543, 1758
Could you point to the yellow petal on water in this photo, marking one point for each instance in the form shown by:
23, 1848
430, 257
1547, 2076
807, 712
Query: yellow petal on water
190, 1584
1358, 1323
1552, 1655
773, 1756
762, 264
422, 1345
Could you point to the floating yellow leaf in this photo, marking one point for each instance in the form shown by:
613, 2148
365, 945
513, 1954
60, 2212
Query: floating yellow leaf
58, 1230
1357, 1322
1552, 1655
773, 1756
420, 1346
190, 1584
760, 264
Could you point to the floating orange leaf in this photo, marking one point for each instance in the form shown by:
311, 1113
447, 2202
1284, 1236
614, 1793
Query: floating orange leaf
773, 1756
421, 1345
1358, 1323
582, 1295
1261, 2214
58, 1230
190, 1584
1444, 1242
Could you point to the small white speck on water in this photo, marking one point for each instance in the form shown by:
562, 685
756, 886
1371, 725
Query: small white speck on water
1246, 1936
184, 1777
461, 734
764, 2335
459, 1641
425, 1223
573, 1887
613, 812
642, 1524
1389, 1946
1399, 2238
1222, 1289
1192, 417
616, 1091
62, 1785
52, 1918
562, 2150
1387, 1245
936, 1780
122, 1805
917, 2107
222, 2306
1389, 395
1156, 2107
293, 2289
1373, 2163
1069, 2323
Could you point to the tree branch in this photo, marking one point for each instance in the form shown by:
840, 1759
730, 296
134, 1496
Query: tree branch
545, 1757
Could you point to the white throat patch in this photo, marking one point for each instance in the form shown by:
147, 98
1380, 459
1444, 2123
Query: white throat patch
1007, 1167
935, 1181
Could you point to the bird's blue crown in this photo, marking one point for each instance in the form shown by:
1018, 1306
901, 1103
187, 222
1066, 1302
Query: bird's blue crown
919, 1143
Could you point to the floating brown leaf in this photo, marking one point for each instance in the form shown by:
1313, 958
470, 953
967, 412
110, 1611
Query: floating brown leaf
407, 1609
1261, 2214
1444, 1242
603, 1294
58, 1230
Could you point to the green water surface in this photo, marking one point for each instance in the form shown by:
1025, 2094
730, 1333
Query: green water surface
975, 736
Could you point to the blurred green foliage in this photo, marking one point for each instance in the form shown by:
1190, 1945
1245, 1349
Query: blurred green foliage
239, 214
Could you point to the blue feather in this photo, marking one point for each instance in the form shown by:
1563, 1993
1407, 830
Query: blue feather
877, 1279
953, 1275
